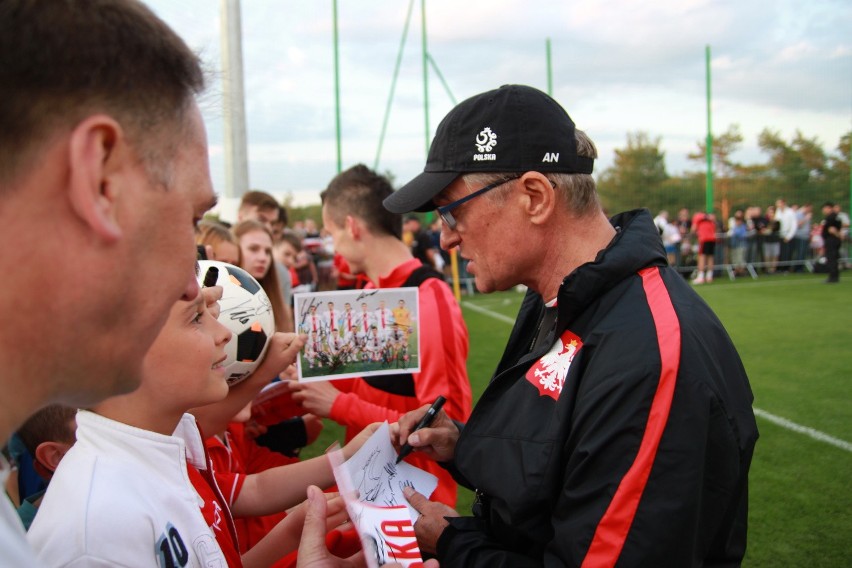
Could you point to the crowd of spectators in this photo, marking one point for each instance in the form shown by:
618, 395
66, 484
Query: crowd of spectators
779, 238
753, 240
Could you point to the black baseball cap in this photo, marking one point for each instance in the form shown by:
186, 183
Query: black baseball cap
513, 129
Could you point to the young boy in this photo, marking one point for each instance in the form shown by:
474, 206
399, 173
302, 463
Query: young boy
137, 488
370, 238
48, 435
286, 250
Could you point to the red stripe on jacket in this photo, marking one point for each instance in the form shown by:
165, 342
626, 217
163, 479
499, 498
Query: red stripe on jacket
614, 526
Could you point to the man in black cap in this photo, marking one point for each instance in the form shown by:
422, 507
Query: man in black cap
618, 427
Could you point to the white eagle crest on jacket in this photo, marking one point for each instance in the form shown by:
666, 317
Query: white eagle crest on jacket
549, 372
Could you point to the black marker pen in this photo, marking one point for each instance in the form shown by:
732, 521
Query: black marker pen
424, 422
210, 277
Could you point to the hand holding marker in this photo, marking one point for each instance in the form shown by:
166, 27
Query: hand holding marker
424, 422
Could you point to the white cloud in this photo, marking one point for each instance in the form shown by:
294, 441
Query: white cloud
618, 66
799, 51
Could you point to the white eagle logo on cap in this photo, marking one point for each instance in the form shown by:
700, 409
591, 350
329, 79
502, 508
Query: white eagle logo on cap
486, 140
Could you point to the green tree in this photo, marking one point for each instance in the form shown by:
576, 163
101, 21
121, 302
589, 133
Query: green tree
306, 212
723, 148
725, 169
798, 168
837, 175
637, 176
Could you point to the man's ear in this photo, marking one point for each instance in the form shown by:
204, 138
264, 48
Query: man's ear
538, 196
47, 457
97, 155
355, 227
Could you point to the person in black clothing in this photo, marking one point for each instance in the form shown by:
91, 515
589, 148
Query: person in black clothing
771, 241
618, 427
418, 240
831, 227
757, 225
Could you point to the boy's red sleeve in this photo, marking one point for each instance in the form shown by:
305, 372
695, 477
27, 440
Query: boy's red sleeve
230, 484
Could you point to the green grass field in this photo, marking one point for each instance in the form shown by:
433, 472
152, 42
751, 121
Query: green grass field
793, 334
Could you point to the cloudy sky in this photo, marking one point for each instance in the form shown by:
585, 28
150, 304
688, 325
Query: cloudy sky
618, 66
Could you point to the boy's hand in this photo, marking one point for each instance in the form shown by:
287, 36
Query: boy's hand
312, 549
281, 352
212, 295
291, 373
438, 441
313, 552
313, 427
335, 511
315, 397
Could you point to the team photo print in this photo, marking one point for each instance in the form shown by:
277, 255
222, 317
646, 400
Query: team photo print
358, 333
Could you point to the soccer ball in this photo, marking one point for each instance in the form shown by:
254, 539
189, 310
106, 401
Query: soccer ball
245, 310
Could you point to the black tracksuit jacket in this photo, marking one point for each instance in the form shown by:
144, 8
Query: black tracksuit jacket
642, 458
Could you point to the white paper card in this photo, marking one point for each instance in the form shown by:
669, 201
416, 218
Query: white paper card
371, 483
379, 480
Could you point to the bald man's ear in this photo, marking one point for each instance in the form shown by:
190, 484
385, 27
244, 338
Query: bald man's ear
538, 196
98, 158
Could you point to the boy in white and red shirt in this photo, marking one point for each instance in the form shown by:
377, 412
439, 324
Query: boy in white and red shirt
138, 488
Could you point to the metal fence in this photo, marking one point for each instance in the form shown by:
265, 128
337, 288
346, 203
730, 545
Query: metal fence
747, 258
756, 255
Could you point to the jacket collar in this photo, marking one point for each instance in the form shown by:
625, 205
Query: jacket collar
636, 245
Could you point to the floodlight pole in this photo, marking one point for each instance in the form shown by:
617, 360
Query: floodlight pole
441, 78
549, 70
234, 110
337, 88
709, 145
393, 84
425, 71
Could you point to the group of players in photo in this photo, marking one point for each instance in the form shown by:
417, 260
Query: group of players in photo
339, 337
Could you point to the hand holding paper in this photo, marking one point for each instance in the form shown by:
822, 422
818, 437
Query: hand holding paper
372, 485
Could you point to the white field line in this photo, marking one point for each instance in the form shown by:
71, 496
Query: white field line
815, 434
779, 280
495, 315
777, 420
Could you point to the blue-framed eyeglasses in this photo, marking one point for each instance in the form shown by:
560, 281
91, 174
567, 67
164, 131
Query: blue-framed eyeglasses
445, 210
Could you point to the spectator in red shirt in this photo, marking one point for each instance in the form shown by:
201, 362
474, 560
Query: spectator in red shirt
704, 226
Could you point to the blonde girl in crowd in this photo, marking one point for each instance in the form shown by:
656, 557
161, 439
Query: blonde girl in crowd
255, 241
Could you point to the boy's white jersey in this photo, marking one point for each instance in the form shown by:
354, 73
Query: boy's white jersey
122, 497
